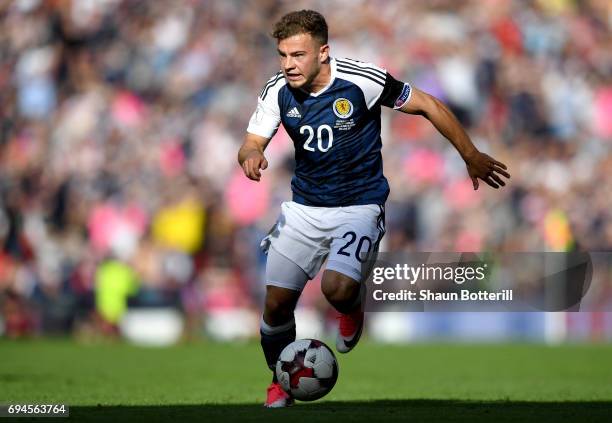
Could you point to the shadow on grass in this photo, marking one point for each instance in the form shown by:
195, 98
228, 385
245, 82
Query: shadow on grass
358, 411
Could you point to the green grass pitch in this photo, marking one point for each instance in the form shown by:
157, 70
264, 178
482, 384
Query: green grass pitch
214, 382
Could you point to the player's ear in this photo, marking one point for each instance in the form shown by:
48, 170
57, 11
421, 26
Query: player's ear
323, 53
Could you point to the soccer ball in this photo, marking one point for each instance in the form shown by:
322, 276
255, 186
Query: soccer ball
307, 369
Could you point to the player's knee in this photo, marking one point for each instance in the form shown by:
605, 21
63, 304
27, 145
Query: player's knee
340, 290
277, 311
274, 306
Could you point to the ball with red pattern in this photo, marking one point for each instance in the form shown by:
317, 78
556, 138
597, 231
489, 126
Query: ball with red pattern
307, 369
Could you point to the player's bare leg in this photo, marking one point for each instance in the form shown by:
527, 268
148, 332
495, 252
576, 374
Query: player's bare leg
277, 331
345, 294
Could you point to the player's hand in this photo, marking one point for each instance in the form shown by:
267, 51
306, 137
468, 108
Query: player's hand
483, 166
253, 164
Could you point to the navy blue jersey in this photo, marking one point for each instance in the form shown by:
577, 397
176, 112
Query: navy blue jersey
336, 132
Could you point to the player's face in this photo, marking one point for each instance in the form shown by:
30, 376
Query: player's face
301, 57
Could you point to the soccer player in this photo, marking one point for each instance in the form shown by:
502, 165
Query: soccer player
330, 107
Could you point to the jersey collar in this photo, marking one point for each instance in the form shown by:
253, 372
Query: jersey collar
332, 77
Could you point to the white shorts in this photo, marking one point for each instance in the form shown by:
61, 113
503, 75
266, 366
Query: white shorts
346, 236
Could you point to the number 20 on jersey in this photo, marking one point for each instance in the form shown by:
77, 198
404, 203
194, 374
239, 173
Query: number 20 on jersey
322, 145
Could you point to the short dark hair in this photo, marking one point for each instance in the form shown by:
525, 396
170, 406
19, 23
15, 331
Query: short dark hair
301, 22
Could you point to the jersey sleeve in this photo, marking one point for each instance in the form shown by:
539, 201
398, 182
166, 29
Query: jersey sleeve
266, 117
395, 93
377, 85
367, 76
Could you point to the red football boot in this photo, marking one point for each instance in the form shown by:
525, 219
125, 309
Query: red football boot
351, 326
277, 398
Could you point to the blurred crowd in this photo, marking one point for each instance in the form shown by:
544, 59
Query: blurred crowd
120, 122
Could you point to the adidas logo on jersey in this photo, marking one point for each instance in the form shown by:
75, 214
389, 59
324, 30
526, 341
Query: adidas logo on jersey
294, 113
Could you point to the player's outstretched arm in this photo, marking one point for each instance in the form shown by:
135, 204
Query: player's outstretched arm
251, 157
479, 165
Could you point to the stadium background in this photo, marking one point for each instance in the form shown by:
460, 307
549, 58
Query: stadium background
123, 212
